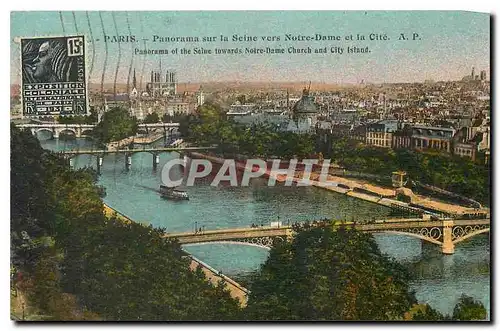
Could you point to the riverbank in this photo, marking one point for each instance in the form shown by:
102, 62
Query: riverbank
142, 140
236, 290
148, 139
367, 191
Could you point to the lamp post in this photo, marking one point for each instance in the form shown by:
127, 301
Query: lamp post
195, 226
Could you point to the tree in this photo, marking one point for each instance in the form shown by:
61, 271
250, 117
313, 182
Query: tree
423, 312
325, 274
76, 259
468, 309
116, 124
435, 168
152, 118
79, 119
30, 202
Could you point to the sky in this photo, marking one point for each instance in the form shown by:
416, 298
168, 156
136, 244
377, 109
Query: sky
451, 43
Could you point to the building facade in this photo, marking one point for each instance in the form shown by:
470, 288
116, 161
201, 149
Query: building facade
178, 108
380, 134
304, 114
428, 137
157, 87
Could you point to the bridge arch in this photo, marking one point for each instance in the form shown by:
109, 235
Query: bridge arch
418, 235
68, 131
470, 235
87, 132
37, 131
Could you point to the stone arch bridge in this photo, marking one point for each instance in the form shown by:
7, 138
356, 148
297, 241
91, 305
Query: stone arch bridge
445, 233
84, 130
154, 151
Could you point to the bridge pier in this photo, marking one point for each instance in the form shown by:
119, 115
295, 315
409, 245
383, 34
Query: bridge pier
99, 163
448, 245
128, 161
166, 136
156, 161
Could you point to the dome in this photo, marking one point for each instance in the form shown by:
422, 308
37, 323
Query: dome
305, 105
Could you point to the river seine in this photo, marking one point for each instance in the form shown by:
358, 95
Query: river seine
437, 279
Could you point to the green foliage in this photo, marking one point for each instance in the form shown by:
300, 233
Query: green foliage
131, 273
423, 312
448, 172
78, 119
468, 309
30, 204
211, 126
152, 118
329, 275
116, 124
69, 250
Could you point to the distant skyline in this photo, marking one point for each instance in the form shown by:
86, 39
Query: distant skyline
452, 43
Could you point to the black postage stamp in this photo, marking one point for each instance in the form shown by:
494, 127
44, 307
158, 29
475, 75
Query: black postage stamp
53, 76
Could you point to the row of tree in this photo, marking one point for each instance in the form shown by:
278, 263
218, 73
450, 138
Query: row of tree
116, 124
445, 171
210, 126
79, 119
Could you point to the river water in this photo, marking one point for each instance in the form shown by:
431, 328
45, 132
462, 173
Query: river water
436, 278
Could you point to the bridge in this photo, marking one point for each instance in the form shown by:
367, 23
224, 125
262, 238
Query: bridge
84, 130
445, 233
155, 151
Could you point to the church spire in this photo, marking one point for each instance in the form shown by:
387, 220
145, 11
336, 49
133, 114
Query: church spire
134, 81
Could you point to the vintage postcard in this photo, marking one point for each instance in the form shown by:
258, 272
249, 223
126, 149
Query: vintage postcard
250, 166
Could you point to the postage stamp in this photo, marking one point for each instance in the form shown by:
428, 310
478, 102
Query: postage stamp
53, 76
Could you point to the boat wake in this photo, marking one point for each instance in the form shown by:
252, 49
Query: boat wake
148, 188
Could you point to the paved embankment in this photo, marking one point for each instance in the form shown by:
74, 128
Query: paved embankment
143, 139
